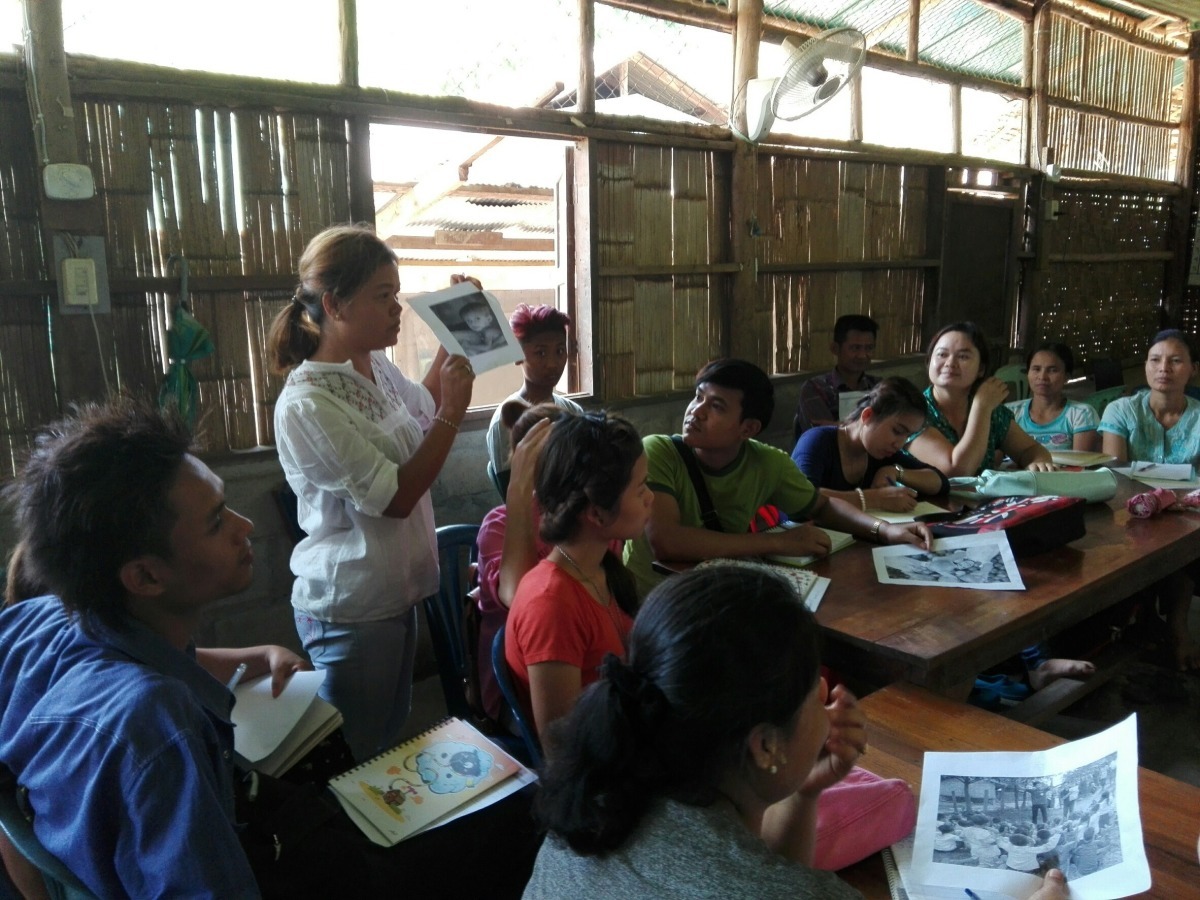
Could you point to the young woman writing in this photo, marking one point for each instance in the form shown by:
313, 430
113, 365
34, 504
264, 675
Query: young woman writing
862, 460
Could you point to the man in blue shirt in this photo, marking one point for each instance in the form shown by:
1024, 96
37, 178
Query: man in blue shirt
113, 721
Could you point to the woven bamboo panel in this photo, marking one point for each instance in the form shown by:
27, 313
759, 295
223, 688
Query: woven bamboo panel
1104, 309
1100, 144
829, 211
1090, 67
663, 208
173, 183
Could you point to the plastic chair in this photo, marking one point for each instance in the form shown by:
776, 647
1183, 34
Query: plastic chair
503, 678
1018, 384
499, 481
16, 820
1101, 399
457, 554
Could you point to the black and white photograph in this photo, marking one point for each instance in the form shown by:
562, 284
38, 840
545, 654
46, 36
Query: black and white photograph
979, 561
1066, 821
469, 322
997, 822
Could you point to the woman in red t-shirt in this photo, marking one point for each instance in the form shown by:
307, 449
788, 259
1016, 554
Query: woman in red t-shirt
576, 605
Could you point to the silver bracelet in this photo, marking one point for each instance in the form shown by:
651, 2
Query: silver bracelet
862, 498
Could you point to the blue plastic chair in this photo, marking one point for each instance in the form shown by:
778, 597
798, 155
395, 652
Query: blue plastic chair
457, 554
500, 669
1101, 399
1018, 384
16, 820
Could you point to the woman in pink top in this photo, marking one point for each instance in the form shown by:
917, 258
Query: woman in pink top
576, 605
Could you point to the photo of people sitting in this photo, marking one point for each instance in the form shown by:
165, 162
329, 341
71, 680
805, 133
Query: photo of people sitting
1065, 821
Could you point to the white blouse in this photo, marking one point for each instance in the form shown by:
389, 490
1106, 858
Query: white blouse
341, 442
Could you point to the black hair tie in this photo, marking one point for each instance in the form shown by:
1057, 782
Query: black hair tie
641, 698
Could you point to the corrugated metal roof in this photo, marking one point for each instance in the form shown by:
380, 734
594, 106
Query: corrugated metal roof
959, 35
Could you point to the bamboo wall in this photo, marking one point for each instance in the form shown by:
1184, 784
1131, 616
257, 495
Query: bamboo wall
840, 213
663, 223
1101, 71
238, 193
1103, 307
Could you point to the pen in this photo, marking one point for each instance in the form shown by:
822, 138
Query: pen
970, 893
237, 676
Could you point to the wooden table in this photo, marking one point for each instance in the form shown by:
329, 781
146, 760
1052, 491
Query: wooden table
942, 637
906, 720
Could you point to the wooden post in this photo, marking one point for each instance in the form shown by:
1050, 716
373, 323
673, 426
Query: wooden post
747, 35
856, 108
348, 27
78, 365
585, 96
585, 312
745, 327
956, 119
935, 227
1041, 76
1179, 238
914, 30
1027, 156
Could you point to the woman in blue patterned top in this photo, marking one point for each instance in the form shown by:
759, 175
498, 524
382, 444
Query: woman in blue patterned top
1048, 416
1162, 425
968, 420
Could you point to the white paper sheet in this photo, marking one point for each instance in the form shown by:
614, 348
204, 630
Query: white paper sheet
262, 721
982, 562
1166, 475
1102, 769
486, 340
923, 508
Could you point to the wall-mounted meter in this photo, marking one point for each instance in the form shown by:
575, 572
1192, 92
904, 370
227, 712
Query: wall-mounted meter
68, 181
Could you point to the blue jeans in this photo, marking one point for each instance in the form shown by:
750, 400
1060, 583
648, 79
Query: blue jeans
368, 675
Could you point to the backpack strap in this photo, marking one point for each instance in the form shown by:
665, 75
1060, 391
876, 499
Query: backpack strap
708, 513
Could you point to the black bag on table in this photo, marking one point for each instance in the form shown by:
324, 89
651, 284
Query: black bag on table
1033, 524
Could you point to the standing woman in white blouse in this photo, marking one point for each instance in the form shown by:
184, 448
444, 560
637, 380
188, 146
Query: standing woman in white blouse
361, 444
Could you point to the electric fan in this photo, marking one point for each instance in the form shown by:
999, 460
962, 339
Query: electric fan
815, 71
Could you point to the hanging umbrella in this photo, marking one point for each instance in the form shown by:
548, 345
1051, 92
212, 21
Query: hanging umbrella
186, 340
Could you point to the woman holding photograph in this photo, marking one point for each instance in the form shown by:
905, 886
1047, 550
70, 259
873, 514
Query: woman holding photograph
694, 768
361, 444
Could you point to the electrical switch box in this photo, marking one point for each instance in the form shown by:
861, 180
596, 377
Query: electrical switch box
79, 282
82, 271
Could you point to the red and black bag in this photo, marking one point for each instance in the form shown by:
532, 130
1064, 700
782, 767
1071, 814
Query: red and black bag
1033, 524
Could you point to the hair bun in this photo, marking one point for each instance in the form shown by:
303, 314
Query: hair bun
640, 697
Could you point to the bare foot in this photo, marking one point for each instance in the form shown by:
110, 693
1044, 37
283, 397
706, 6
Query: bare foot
1187, 656
1053, 669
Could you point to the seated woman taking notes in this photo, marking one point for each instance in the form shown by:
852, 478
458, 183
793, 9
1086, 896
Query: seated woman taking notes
1162, 425
862, 461
694, 769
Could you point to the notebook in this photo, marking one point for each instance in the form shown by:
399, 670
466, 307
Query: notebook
444, 772
838, 540
272, 734
809, 585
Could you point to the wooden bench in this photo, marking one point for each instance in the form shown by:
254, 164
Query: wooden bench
906, 721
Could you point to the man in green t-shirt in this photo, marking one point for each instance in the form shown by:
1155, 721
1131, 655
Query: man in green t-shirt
733, 404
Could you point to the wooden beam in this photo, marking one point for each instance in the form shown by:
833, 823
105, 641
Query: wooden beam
855, 265
1127, 257
956, 119
685, 12
1091, 110
742, 315
585, 94
669, 271
1184, 161
489, 241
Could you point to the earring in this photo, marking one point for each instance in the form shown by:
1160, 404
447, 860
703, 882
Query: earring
774, 769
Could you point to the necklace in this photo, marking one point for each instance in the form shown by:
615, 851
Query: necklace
602, 597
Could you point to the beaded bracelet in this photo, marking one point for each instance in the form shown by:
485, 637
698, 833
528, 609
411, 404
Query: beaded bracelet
445, 421
862, 498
